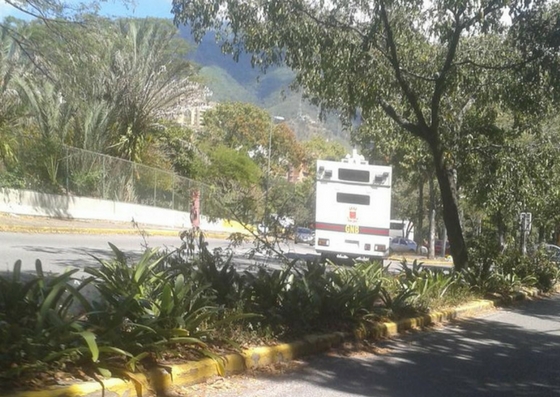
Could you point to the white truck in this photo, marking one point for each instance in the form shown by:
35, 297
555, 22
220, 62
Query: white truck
353, 208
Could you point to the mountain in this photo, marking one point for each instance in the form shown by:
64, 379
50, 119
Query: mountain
240, 82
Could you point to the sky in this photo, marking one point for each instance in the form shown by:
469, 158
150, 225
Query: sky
141, 9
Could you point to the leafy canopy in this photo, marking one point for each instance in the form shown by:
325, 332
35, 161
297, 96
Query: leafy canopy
425, 66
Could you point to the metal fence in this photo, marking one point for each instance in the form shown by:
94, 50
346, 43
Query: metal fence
68, 170
97, 175
78, 172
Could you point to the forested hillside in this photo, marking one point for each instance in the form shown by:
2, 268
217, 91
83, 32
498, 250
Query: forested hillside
240, 82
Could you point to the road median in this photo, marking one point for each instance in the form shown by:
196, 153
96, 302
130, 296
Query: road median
162, 381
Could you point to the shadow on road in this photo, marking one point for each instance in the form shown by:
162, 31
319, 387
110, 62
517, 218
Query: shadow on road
473, 357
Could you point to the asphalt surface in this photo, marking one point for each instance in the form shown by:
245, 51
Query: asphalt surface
11, 223
507, 352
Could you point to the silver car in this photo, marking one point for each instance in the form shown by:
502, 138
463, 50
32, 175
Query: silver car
400, 244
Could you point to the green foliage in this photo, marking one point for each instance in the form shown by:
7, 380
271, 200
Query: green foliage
397, 299
37, 328
263, 292
177, 144
144, 307
313, 298
409, 68
484, 254
235, 177
167, 304
534, 270
249, 130
229, 168
479, 280
504, 273
218, 271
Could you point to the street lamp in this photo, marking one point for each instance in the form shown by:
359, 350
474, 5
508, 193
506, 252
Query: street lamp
273, 120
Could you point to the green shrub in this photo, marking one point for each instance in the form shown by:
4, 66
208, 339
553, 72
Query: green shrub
146, 307
505, 272
37, 331
193, 299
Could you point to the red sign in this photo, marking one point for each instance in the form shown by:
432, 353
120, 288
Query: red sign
353, 214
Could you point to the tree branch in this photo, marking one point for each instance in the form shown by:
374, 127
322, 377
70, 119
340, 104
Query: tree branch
498, 67
15, 36
39, 14
446, 68
401, 121
394, 60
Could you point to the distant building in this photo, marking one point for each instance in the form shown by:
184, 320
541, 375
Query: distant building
189, 109
193, 116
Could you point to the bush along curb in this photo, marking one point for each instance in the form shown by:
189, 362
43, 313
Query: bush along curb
163, 379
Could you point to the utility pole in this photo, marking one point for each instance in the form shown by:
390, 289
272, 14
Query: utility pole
525, 223
273, 120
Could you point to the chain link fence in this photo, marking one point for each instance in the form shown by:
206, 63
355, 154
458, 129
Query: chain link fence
79, 172
100, 176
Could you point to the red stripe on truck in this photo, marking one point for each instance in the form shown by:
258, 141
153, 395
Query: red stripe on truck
335, 227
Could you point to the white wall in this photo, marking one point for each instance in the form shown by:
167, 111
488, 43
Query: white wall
26, 202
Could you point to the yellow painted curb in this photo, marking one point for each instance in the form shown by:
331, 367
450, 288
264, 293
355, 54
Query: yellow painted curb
113, 387
426, 261
389, 329
257, 357
84, 230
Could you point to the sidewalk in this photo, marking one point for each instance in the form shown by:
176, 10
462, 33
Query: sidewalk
36, 224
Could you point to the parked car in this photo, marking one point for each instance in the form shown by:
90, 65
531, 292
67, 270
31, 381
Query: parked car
304, 235
438, 248
400, 244
438, 244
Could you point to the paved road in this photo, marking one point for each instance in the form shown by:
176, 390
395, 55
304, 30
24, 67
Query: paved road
61, 251
58, 252
510, 352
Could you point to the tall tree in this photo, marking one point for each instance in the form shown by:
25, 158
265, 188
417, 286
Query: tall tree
148, 77
422, 64
11, 68
249, 129
121, 76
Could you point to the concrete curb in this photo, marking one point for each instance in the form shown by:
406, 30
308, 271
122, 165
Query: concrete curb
162, 380
441, 262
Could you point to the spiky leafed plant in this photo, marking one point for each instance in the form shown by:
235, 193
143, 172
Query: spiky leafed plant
147, 306
37, 329
48, 125
148, 78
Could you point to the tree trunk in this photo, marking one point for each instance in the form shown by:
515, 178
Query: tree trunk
444, 242
451, 216
501, 231
432, 237
419, 226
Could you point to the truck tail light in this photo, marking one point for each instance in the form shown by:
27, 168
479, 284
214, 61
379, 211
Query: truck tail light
380, 247
323, 242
